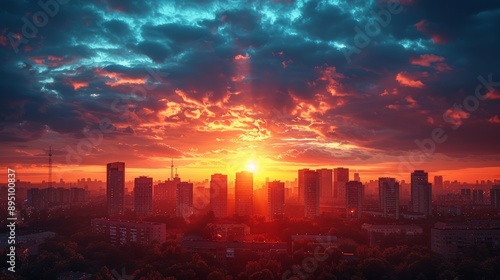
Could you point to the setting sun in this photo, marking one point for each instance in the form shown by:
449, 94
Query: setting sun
252, 166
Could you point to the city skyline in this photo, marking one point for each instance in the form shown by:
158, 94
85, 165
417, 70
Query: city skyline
251, 166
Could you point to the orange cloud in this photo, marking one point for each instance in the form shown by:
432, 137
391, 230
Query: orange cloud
405, 80
494, 119
78, 85
116, 79
242, 57
431, 60
330, 75
423, 26
492, 95
386, 92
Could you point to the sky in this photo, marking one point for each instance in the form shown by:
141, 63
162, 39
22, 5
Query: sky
222, 86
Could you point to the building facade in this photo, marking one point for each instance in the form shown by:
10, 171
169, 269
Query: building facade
455, 239
311, 193
218, 195
388, 190
143, 195
354, 199
421, 193
115, 188
123, 231
340, 178
184, 200
276, 199
244, 193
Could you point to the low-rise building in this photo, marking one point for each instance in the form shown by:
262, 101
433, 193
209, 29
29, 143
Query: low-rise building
454, 239
123, 231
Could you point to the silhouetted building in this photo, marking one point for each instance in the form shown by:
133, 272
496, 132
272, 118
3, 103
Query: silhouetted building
438, 184
184, 204
165, 198
354, 199
340, 178
115, 188
143, 195
325, 185
478, 196
231, 231
388, 190
421, 193
356, 177
454, 239
276, 199
310, 181
377, 232
123, 232
466, 194
53, 197
495, 197
244, 193
218, 195
301, 184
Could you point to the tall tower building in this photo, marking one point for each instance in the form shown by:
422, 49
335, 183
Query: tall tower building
311, 193
438, 184
218, 194
115, 188
340, 178
495, 197
421, 193
143, 195
165, 196
325, 185
388, 192
301, 183
356, 177
276, 199
184, 200
354, 199
478, 196
244, 193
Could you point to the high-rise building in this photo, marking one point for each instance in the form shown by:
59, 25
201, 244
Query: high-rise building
421, 193
356, 177
325, 185
301, 184
276, 199
310, 179
165, 196
478, 196
465, 194
354, 199
143, 195
388, 192
115, 188
244, 193
184, 200
438, 184
495, 197
218, 194
340, 178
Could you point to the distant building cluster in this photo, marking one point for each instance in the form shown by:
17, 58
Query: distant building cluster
315, 190
51, 197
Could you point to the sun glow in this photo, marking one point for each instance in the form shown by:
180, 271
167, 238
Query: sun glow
252, 166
